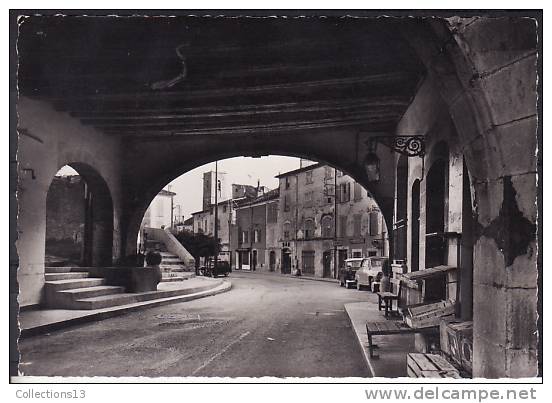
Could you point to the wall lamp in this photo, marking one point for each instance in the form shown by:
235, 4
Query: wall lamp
410, 146
372, 163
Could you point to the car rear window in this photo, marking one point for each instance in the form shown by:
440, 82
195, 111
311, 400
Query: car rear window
377, 263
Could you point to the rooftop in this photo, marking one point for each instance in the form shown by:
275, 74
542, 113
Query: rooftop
299, 170
164, 192
270, 195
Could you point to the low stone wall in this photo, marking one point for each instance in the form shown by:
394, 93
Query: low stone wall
134, 279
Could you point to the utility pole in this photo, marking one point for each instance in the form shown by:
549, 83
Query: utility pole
172, 207
251, 235
382, 238
335, 223
230, 252
296, 219
216, 217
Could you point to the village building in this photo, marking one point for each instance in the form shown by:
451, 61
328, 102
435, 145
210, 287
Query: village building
255, 239
159, 213
227, 200
325, 218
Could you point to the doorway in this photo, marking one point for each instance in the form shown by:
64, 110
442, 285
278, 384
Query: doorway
341, 256
400, 225
327, 264
436, 187
254, 260
415, 227
286, 261
272, 260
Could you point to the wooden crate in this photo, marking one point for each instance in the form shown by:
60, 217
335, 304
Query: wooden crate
423, 315
420, 365
457, 342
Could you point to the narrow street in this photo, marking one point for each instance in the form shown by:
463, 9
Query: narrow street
267, 325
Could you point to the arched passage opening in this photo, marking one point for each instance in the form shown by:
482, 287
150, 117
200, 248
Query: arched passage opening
465, 295
310, 216
401, 222
79, 218
415, 226
436, 208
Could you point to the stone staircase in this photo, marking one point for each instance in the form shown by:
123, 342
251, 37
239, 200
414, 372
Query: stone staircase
68, 288
172, 267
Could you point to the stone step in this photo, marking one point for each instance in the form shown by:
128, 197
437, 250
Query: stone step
172, 279
65, 299
175, 268
171, 263
58, 285
156, 245
168, 277
57, 269
171, 259
56, 262
65, 276
106, 301
89, 292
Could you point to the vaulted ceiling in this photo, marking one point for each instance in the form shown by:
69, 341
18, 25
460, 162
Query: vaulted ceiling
157, 76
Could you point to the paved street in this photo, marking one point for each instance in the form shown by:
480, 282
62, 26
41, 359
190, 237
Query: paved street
267, 325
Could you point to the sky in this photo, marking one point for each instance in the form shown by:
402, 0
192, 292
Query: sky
242, 170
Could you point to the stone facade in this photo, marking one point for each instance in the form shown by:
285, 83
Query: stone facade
307, 220
158, 214
255, 243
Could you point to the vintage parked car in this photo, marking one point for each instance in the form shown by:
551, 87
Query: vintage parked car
222, 268
371, 270
347, 273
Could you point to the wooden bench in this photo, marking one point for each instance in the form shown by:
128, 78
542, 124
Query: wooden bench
386, 298
391, 327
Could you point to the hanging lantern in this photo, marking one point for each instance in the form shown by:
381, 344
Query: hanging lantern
371, 167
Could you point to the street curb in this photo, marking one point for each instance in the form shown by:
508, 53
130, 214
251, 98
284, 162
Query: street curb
361, 344
225, 286
331, 281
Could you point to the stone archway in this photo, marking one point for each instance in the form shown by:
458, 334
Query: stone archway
97, 217
415, 227
485, 71
381, 192
401, 223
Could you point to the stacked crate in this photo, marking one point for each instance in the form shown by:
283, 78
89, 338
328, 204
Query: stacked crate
456, 340
426, 315
420, 365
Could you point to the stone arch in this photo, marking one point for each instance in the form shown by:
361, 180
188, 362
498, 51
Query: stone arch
355, 171
436, 206
415, 226
401, 209
327, 226
309, 227
485, 71
98, 217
